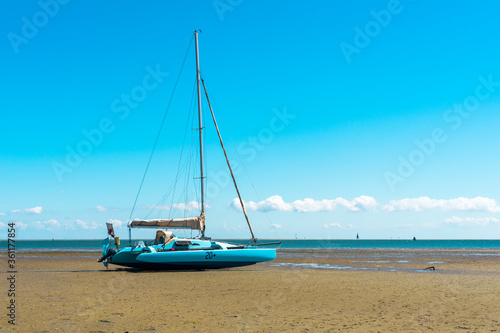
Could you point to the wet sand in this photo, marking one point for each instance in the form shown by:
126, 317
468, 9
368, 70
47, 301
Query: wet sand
315, 291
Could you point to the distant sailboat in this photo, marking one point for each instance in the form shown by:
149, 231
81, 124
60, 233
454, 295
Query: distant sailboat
357, 236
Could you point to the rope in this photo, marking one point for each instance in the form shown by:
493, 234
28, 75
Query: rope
254, 240
182, 151
242, 164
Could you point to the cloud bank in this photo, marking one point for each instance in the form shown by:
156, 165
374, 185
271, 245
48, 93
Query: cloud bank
472, 220
87, 225
34, 210
365, 203
116, 223
50, 224
192, 205
426, 203
337, 226
308, 205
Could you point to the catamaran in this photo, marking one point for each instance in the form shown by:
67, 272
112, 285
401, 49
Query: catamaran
201, 252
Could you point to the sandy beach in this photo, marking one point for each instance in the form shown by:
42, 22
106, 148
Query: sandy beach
314, 291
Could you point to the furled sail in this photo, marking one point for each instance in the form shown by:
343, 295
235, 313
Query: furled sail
195, 223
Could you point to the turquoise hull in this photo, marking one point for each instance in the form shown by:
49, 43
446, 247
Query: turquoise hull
157, 257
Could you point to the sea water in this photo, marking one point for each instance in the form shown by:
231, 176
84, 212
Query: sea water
95, 245
381, 254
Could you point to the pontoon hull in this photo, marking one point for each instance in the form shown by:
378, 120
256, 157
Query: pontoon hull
193, 259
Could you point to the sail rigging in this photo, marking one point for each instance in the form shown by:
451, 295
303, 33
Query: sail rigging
229, 165
160, 129
194, 223
197, 222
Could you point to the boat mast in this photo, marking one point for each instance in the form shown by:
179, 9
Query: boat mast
202, 173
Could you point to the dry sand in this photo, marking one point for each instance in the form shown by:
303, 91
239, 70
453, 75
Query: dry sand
73, 293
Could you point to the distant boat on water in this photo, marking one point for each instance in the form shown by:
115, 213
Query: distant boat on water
357, 236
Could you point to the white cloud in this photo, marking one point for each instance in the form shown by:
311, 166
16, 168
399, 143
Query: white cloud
116, 223
424, 203
337, 225
34, 210
2, 225
192, 205
21, 225
472, 220
364, 202
277, 226
50, 224
106, 209
87, 225
308, 205
2, 214
272, 203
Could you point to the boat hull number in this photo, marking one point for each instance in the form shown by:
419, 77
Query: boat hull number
210, 255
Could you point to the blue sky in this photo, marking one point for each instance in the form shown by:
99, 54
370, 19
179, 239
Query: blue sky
370, 117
